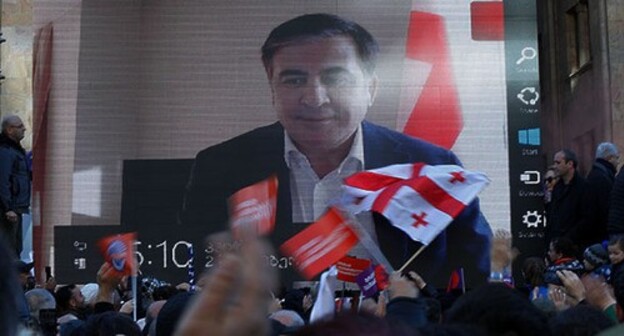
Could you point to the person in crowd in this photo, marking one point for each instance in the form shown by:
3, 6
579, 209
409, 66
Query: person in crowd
23, 270
89, 292
533, 269
566, 212
70, 303
321, 71
579, 320
42, 307
596, 261
110, 323
615, 221
616, 252
599, 183
562, 256
288, 321
11, 295
498, 310
14, 182
550, 179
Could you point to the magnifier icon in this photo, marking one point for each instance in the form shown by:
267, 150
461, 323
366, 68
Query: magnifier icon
527, 53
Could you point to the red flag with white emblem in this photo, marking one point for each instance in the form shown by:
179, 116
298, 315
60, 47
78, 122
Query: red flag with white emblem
420, 199
254, 207
321, 244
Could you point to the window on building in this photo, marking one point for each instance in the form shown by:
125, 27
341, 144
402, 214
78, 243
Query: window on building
577, 33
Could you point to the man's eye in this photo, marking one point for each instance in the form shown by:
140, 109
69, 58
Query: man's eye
336, 80
293, 81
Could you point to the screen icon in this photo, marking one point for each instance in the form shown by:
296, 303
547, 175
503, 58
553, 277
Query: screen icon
530, 177
528, 95
532, 219
529, 136
527, 54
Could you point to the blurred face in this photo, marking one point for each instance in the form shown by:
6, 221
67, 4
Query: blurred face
552, 254
616, 255
550, 179
16, 129
78, 299
320, 92
561, 166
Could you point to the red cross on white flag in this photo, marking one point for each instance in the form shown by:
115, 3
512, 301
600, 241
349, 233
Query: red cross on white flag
419, 199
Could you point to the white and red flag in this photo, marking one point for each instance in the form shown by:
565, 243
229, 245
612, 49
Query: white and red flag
254, 207
321, 244
419, 199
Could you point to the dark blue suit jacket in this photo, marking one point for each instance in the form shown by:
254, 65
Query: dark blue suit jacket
223, 169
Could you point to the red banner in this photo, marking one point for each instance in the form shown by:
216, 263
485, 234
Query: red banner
254, 207
321, 244
349, 268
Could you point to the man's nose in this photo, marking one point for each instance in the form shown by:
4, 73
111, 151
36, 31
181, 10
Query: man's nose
315, 94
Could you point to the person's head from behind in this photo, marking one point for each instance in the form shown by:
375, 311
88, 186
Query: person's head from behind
321, 69
609, 152
355, 324
39, 299
579, 320
69, 298
595, 256
498, 310
111, 324
616, 249
565, 163
561, 247
533, 271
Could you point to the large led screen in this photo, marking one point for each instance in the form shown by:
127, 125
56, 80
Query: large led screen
158, 82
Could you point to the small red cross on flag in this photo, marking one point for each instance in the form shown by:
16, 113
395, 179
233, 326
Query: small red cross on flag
458, 176
420, 219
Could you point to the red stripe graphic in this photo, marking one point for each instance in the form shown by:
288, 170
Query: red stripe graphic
436, 117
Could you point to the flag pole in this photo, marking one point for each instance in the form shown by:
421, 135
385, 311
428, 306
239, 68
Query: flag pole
134, 297
422, 248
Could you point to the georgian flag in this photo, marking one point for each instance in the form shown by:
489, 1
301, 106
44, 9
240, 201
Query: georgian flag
419, 199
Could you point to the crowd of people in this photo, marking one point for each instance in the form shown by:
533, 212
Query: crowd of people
563, 295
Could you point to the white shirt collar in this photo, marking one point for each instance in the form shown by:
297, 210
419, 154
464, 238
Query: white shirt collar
292, 155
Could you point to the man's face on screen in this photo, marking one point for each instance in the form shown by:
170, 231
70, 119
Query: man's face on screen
320, 91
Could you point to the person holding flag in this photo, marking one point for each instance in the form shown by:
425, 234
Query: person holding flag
321, 72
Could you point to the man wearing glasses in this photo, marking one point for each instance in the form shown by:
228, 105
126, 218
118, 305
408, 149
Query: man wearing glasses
14, 181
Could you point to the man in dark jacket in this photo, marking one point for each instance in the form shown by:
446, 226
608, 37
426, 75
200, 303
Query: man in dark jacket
14, 181
615, 223
566, 211
599, 184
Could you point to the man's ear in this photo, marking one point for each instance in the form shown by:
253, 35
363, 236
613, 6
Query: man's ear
372, 89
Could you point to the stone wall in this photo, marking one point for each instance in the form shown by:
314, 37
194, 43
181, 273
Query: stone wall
16, 65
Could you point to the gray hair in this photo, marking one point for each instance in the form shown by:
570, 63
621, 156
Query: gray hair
38, 299
606, 149
8, 120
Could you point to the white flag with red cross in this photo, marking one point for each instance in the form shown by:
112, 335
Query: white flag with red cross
422, 200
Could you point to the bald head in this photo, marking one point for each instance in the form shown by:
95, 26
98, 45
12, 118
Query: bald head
13, 127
